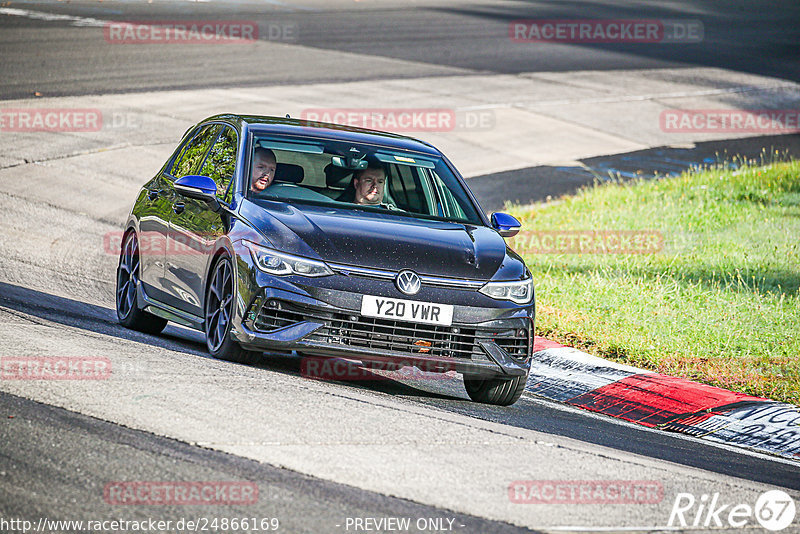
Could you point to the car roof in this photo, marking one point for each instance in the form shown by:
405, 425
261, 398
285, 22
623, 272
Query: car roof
323, 130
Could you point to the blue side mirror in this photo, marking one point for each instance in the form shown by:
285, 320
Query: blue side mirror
196, 186
505, 224
200, 188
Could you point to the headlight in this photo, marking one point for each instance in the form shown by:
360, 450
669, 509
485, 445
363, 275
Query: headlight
274, 262
520, 292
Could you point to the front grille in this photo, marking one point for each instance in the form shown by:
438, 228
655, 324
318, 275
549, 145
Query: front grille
415, 339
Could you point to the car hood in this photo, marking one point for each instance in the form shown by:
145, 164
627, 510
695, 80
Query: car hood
382, 240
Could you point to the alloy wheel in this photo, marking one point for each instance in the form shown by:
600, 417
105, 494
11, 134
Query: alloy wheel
127, 276
219, 307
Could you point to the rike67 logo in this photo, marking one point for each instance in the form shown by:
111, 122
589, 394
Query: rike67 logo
774, 510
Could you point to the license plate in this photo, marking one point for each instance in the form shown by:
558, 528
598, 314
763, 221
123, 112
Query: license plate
407, 310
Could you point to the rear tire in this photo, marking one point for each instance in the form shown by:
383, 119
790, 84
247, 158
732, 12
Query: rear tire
220, 300
498, 391
128, 313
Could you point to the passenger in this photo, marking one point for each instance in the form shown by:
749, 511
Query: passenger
264, 165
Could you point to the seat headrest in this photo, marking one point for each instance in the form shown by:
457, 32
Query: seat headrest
337, 177
287, 172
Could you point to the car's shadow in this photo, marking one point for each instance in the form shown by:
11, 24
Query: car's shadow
99, 319
403, 382
93, 318
540, 184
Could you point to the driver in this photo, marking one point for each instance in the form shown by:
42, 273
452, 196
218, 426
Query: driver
367, 187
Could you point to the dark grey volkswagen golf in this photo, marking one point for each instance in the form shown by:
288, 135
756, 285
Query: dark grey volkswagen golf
272, 234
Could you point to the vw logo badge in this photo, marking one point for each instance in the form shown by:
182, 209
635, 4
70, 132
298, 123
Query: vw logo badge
408, 282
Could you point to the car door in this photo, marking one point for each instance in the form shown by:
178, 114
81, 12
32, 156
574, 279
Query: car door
154, 210
194, 228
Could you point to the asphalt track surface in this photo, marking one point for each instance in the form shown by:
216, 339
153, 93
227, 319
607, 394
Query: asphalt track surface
529, 412
87, 453
54, 462
56, 58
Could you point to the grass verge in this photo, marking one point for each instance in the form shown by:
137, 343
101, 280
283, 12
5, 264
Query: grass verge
708, 291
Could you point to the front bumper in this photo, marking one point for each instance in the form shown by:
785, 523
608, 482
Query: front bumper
484, 342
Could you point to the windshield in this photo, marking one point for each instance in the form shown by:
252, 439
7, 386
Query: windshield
357, 177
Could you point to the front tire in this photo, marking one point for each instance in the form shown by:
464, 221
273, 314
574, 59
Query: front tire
498, 391
128, 313
219, 311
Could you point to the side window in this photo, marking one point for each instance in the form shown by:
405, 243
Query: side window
452, 209
180, 152
430, 196
404, 189
221, 161
192, 156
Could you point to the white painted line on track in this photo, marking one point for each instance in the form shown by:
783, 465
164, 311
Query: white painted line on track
89, 22
53, 17
290, 7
